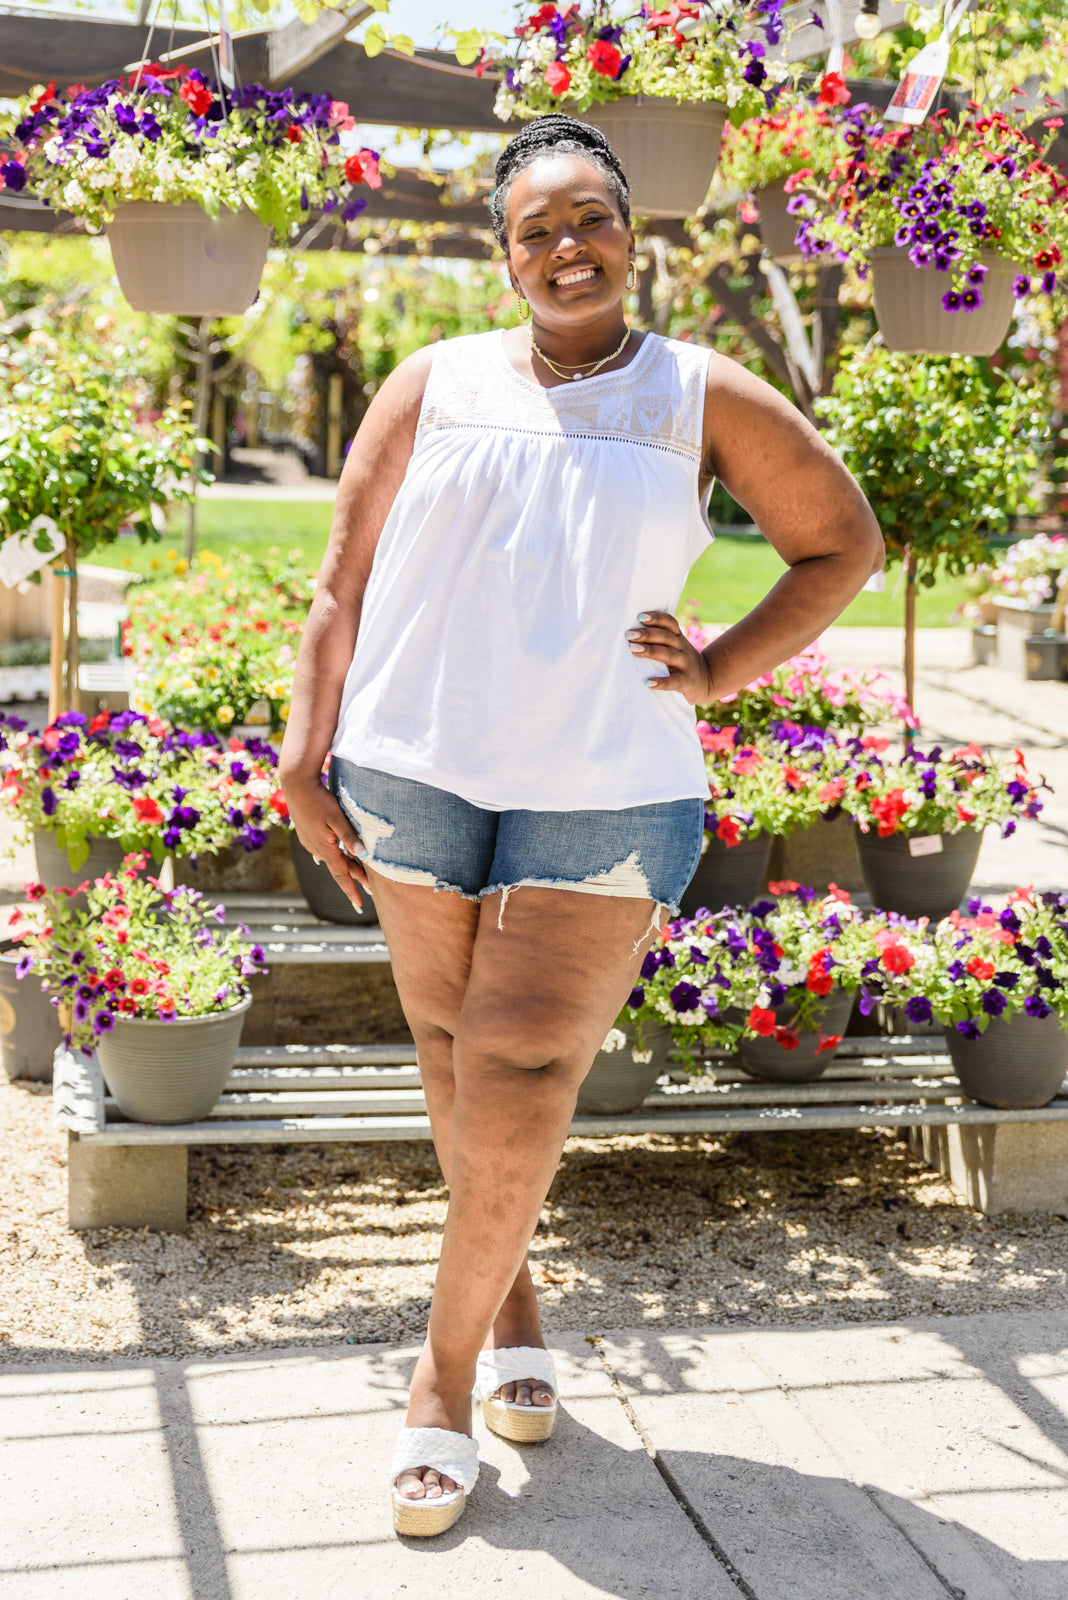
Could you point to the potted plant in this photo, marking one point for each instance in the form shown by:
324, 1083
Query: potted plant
625, 1068
920, 819
189, 178
147, 978
945, 452
775, 982
998, 983
90, 790
771, 156
78, 461
658, 83
761, 785
953, 218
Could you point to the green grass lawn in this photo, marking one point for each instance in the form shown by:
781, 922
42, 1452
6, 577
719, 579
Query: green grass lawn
726, 582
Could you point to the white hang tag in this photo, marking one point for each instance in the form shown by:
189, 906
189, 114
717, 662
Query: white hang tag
876, 584
836, 53
226, 48
924, 844
20, 557
923, 76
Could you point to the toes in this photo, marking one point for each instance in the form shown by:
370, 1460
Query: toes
410, 1485
423, 1483
522, 1394
432, 1484
506, 1392
543, 1397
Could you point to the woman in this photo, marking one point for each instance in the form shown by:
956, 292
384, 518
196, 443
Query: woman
493, 661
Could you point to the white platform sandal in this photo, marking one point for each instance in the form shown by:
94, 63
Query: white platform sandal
455, 1456
514, 1364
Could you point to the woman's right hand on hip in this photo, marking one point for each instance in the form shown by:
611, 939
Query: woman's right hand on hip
326, 832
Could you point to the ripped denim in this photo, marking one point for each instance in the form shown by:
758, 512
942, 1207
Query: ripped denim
414, 833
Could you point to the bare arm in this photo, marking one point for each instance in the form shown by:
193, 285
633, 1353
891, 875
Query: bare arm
372, 475
808, 507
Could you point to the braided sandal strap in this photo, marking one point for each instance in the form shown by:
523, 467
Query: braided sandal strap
454, 1455
512, 1365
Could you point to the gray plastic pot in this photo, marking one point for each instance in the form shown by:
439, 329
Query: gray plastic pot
177, 259
766, 1059
925, 885
170, 1072
728, 876
1017, 1063
54, 870
616, 1082
29, 1027
913, 320
329, 902
777, 225
668, 151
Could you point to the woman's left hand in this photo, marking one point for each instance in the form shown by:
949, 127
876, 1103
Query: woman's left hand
660, 638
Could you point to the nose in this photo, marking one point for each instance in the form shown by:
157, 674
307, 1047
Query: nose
565, 243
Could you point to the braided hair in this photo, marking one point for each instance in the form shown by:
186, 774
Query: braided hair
553, 135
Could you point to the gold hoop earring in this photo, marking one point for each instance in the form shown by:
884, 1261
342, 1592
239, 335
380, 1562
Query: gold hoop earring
522, 307
632, 274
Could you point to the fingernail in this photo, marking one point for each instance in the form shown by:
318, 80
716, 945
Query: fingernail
634, 633
645, 616
637, 649
359, 852
649, 682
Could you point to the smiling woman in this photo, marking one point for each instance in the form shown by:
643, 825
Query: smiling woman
493, 660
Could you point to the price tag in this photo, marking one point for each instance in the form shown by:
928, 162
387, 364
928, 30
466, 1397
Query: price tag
20, 557
226, 48
925, 844
922, 78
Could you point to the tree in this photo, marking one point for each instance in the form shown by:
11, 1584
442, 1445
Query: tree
945, 450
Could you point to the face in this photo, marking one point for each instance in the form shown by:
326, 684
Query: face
569, 248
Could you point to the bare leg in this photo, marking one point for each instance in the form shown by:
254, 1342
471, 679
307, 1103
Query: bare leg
539, 999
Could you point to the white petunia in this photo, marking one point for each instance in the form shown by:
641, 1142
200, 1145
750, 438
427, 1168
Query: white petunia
615, 1040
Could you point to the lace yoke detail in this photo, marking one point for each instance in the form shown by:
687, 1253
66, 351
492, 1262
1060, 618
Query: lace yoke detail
652, 401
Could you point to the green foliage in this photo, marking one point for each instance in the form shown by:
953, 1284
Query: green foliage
944, 450
74, 447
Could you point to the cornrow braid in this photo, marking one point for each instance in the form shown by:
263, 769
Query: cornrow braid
553, 135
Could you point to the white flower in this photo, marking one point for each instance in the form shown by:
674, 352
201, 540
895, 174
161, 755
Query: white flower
790, 975
73, 194
53, 150
615, 1040
641, 1056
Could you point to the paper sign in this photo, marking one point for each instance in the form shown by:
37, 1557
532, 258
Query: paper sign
226, 48
19, 555
923, 76
926, 845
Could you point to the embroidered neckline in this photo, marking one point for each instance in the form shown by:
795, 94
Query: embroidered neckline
598, 377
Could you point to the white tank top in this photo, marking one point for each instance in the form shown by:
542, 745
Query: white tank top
531, 527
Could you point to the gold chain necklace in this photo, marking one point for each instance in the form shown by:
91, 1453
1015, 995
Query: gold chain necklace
593, 366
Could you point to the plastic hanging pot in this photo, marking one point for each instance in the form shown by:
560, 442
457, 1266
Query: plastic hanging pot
1017, 1063
55, 871
170, 1072
777, 225
728, 876
616, 1082
668, 151
177, 259
767, 1059
30, 1033
913, 320
329, 902
919, 875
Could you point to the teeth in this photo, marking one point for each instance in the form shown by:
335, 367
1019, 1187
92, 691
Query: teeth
576, 277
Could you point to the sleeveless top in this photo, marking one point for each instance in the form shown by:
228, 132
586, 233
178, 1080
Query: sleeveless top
531, 527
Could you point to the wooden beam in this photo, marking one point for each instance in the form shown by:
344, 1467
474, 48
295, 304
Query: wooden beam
297, 45
36, 46
803, 39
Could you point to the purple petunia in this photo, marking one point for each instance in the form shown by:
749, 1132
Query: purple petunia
685, 996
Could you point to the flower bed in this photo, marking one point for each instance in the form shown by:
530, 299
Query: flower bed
210, 645
132, 778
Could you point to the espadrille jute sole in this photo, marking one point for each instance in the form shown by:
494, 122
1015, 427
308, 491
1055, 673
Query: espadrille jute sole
422, 1519
520, 1424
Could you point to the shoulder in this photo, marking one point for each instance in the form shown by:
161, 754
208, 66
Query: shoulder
680, 353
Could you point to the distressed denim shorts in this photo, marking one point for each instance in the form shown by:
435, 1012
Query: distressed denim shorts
415, 833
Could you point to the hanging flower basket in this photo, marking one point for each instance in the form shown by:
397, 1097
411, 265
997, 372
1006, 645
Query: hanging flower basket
179, 260
777, 225
668, 151
913, 320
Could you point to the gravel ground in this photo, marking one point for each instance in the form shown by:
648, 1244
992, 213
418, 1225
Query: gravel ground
304, 1244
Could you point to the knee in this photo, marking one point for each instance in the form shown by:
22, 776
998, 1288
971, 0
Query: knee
515, 1040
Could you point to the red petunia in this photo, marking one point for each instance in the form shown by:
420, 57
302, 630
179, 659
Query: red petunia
980, 968
833, 91
746, 761
787, 1038
604, 58
829, 1041
277, 803
354, 169
898, 958
728, 830
793, 778
542, 17
888, 809
294, 134
832, 792
783, 886
196, 97
762, 1022
147, 810
558, 77
964, 814
43, 98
